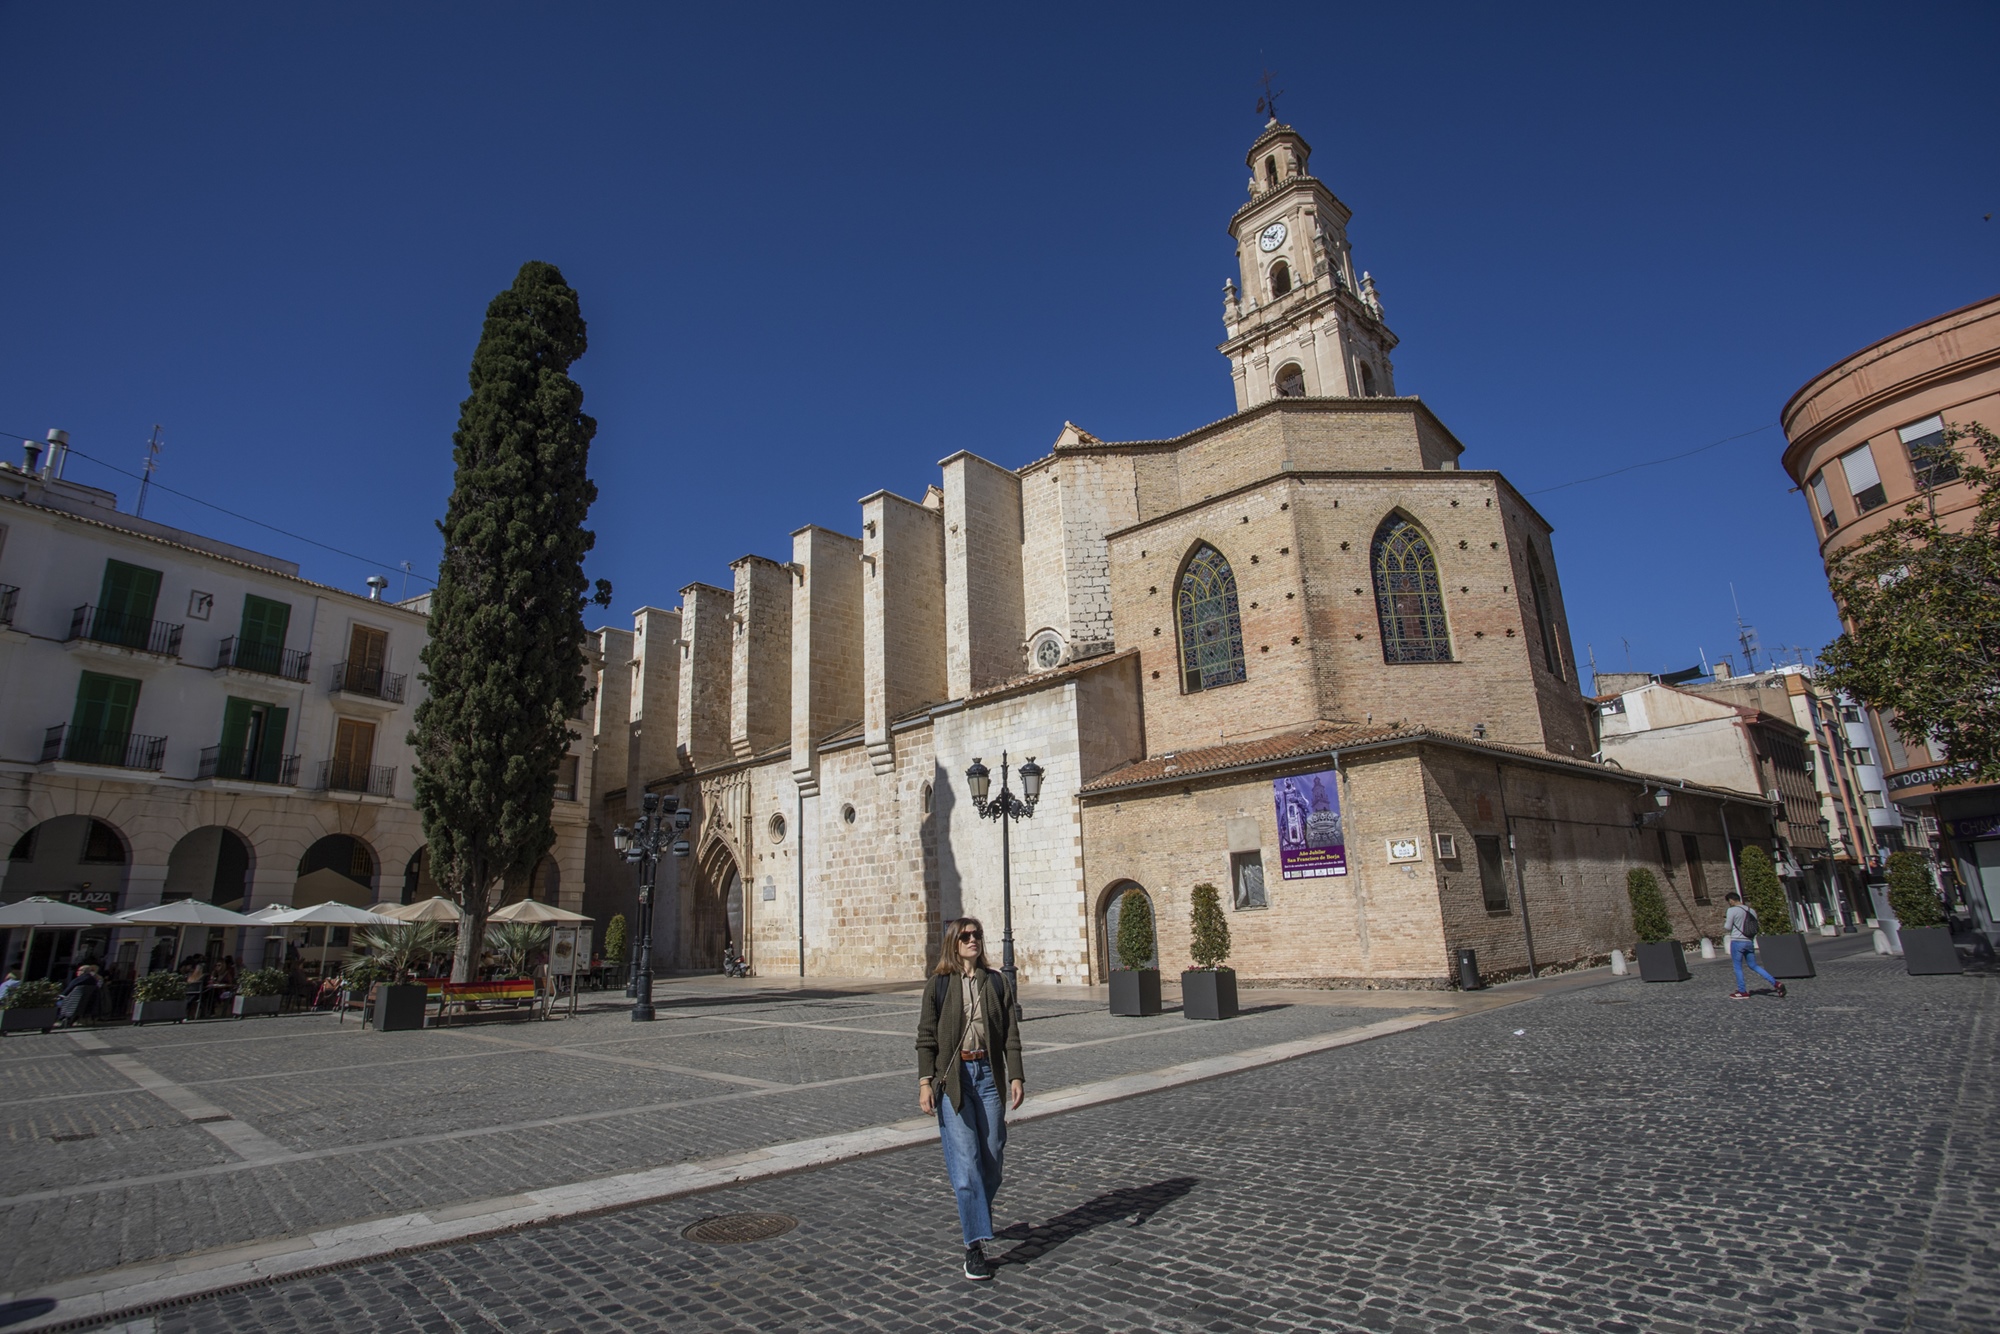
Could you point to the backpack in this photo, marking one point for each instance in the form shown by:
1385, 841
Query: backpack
1749, 927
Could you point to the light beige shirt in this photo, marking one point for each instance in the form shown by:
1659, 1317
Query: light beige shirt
976, 1036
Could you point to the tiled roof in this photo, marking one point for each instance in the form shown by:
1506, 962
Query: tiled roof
1037, 680
1317, 740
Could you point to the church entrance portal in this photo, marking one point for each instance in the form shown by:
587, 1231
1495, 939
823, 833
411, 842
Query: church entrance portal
717, 913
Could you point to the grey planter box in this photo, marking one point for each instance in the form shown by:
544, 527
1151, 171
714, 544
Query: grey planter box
1662, 962
1135, 991
1785, 956
40, 1019
1928, 950
158, 1012
400, 1007
1208, 994
249, 1005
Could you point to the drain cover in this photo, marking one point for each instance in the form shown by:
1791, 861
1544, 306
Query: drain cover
735, 1229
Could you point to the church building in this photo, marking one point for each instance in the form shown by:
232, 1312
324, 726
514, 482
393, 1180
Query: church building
1301, 654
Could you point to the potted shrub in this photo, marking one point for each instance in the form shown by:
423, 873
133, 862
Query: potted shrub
614, 942
1660, 957
32, 1005
1927, 946
1208, 990
159, 996
393, 953
1780, 947
1135, 988
260, 991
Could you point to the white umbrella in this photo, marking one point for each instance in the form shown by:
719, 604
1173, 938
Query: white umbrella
528, 910
184, 913
330, 915
41, 911
273, 914
433, 909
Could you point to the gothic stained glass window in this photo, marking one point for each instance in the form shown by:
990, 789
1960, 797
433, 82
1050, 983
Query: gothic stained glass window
1211, 628
1409, 601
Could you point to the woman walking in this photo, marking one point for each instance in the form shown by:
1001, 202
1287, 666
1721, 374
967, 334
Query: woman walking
967, 1022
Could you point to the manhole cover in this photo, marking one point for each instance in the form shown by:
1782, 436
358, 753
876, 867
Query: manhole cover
735, 1229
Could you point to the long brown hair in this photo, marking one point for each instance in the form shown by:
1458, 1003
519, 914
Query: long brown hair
948, 947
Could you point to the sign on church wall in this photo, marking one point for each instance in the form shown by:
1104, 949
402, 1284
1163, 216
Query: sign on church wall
1310, 843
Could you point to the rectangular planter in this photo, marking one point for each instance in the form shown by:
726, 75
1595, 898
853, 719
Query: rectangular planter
1662, 962
1135, 991
249, 1005
41, 1019
159, 1012
1207, 994
1928, 950
400, 1007
1785, 956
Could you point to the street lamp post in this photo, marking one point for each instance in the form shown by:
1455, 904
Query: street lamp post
1006, 808
661, 822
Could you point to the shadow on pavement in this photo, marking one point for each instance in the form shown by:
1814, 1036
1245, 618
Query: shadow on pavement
13, 1313
1133, 1205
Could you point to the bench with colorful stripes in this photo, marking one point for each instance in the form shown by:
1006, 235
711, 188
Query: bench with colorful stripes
463, 994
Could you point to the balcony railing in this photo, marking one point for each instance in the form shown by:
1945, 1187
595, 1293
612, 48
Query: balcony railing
125, 630
268, 659
370, 681
119, 750
374, 779
281, 770
7, 595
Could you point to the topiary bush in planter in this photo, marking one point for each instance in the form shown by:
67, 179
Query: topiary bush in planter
1920, 922
1208, 990
157, 996
260, 991
31, 1006
1780, 947
1660, 957
1135, 988
614, 939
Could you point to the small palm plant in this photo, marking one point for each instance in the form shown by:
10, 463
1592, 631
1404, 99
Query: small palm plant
400, 948
516, 943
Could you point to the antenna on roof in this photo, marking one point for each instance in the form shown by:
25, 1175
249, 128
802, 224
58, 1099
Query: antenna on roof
152, 461
1746, 635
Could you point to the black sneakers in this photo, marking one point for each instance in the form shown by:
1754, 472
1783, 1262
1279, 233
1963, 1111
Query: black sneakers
976, 1264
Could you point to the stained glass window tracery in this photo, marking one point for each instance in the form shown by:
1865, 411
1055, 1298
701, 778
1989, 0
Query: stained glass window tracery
1409, 600
1211, 627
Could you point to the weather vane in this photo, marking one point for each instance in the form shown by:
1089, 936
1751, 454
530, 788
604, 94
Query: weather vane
1267, 105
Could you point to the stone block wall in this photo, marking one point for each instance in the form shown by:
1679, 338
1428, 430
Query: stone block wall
903, 615
985, 619
1044, 573
827, 677
707, 632
610, 717
760, 670
655, 700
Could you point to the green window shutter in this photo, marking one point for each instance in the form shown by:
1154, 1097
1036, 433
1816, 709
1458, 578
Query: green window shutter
271, 762
235, 727
105, 706
261, 642
125, 603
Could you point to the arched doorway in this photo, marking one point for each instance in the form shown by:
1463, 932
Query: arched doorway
211, 864
1108, 910
716, 912
338, 869
74, 859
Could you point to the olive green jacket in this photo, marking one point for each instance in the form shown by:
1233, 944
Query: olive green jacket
940, 1067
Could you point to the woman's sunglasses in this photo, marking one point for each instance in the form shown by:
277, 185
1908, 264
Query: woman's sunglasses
971, 935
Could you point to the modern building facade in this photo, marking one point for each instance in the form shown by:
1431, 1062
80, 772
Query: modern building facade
1862, 440
184, 718
1302, 654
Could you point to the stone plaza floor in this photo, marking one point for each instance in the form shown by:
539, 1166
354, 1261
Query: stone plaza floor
1579, 1153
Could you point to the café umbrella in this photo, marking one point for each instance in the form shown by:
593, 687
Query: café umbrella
331, 914
182, 914
42, 913
433, 909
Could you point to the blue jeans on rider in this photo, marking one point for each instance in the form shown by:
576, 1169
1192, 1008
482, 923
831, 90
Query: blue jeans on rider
974, 1138
1744, 952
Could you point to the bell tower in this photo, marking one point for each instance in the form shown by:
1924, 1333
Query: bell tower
1306, 322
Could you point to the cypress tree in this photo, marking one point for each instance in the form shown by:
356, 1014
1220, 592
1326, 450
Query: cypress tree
1135, 929
1764, 894
1649, 908
1911, 897
1208, 929
504, 666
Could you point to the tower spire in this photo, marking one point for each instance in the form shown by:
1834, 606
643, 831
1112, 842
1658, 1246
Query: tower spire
1267, 105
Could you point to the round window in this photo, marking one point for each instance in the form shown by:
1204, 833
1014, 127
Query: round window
1048, 652
777, 829
847, 814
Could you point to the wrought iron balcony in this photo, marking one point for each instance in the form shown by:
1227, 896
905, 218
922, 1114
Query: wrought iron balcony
281, 770
370, 681
103, 626
118, 750
7, 595
376, 780
268, 659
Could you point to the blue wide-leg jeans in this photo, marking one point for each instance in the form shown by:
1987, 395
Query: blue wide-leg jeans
974, 1136
1742, 953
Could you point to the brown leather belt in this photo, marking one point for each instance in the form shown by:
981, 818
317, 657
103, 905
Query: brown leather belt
979, 1055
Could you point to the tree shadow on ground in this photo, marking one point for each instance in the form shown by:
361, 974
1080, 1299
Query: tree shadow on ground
27, 1308
1132, 1206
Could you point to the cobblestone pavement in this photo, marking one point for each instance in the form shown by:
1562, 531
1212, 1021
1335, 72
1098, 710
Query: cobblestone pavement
1627, 1157
124, 1145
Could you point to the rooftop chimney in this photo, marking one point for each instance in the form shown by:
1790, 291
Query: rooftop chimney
58, 451
376, 583
33, 454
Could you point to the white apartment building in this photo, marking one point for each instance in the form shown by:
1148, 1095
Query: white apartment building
180, 717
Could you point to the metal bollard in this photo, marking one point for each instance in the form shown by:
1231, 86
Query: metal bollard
1468, 971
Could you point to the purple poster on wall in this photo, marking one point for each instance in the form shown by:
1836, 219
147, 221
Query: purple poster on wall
1309, 838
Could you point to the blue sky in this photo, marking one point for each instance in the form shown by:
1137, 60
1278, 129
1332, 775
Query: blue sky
821, 248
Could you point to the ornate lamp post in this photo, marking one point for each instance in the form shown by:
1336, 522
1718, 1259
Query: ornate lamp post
1006, 808
662, 818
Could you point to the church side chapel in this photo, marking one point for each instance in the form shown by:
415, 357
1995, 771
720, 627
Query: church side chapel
1300, 654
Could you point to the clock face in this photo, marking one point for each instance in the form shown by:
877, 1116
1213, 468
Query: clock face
1271, 237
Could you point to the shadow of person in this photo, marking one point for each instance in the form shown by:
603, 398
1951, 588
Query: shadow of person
27, 1308
1131, 1205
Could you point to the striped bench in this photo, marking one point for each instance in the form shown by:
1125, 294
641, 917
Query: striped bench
514, 991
